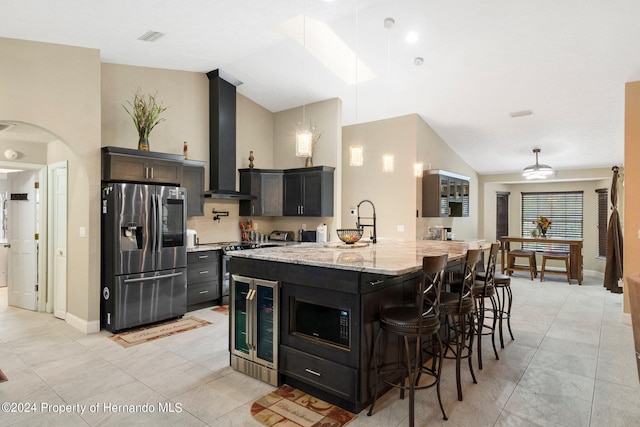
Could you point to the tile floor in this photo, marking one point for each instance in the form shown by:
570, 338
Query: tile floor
571, 364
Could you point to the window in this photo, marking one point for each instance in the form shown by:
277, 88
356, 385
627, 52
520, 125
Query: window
502, 214
603, 196
564, 210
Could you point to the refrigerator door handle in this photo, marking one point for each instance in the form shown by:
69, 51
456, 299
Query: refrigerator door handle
146, 279
152, 220
158, 213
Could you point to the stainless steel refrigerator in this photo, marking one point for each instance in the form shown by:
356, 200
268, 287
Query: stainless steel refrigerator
144, 255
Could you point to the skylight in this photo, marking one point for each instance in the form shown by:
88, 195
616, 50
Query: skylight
320, 40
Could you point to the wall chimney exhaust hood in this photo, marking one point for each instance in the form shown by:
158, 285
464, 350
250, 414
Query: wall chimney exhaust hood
222, 138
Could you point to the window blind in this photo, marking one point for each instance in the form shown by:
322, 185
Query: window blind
603, 196
563, 209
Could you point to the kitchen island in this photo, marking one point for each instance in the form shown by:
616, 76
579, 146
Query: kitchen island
306, 315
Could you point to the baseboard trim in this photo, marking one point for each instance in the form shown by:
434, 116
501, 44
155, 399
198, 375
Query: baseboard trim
87, 327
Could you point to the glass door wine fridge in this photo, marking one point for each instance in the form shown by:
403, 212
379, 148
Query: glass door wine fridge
254, 327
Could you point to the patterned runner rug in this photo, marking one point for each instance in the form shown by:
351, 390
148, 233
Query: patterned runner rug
160, 330
287, 406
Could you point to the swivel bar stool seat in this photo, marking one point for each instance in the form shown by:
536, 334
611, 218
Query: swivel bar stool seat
417, 322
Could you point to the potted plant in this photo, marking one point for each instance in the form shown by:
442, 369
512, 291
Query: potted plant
145, 112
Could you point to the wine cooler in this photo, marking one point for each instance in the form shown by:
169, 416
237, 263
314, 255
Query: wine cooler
254, 327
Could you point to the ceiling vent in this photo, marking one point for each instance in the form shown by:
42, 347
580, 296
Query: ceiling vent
150, 36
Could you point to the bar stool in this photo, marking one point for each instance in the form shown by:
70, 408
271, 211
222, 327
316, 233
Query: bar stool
419, 322
504, 296
531, 266
458, 310
558, 257
483, 289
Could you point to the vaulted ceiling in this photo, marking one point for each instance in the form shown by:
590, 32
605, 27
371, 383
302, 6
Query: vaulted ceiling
566, 62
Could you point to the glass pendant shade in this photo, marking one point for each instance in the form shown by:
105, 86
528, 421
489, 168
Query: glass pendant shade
387, 163
356, 155
417, 170
303, 143
537, 171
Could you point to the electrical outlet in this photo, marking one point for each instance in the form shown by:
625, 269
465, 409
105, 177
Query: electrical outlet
400, 228
352, 212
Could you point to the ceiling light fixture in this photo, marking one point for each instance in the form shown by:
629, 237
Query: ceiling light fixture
356, 151
537, 171
304, 138
387, 159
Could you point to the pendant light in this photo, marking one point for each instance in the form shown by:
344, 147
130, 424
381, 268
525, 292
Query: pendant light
418, 167
537, 171
388, 158
304, 138
356, 151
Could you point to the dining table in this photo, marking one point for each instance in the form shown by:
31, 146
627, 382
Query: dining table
551, 244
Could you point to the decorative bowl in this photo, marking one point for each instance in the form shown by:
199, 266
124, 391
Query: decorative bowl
349, 235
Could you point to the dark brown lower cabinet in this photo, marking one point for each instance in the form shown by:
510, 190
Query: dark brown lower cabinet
328, 323
203, 279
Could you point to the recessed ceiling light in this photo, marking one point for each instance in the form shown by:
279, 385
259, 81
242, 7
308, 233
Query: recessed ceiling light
389, 22
412, 37
418, 61
150, 36
521, 113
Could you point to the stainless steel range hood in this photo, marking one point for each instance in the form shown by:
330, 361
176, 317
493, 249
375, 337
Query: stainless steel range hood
222, 139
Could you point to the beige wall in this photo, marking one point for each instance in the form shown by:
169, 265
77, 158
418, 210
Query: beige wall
434, 152
630, 187
58, 88
398, 195
393, 194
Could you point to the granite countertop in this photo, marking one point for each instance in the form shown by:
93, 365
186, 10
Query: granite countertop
391, 257
207, 247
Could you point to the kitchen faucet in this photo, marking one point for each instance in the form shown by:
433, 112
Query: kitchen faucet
361, 225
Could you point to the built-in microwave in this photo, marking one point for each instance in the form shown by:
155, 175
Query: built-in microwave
324, 323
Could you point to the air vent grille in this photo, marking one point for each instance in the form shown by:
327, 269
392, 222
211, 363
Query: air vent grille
150, 36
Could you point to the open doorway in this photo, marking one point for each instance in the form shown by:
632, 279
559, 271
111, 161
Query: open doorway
35, 241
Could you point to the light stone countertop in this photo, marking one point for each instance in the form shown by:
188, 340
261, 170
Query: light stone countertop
206, 247
390, 257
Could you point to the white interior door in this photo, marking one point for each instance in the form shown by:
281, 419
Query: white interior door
59, 235
22, 271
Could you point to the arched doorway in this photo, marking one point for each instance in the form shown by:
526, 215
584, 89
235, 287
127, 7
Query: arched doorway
27, 150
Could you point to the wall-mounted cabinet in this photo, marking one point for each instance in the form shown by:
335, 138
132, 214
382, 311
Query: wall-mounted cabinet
124, 164
444, 194
193, 181
266, 186
308, 191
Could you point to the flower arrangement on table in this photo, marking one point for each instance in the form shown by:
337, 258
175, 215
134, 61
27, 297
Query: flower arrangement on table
542, 225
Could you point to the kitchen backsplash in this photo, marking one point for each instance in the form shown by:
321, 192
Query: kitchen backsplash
227, 229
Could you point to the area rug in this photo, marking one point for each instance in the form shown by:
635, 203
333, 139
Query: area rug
3, 377
222, 309
159, 330
288, 406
